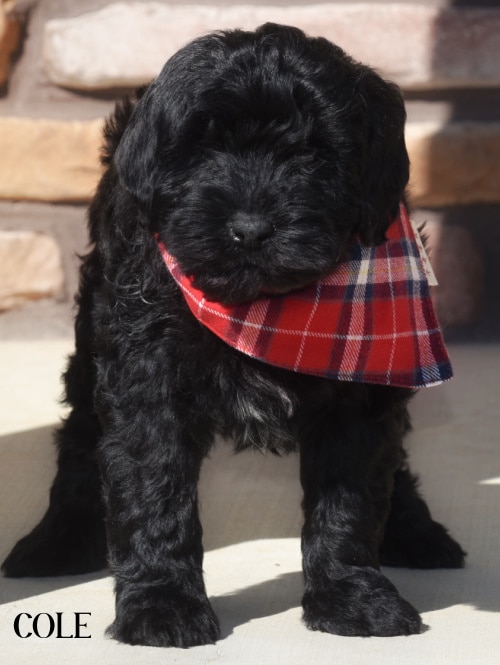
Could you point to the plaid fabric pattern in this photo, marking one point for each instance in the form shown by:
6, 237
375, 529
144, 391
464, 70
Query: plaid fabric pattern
371, 320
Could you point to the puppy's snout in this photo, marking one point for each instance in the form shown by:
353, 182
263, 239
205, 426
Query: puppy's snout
249, 230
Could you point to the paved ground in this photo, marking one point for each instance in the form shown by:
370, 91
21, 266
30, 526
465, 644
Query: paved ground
251, 516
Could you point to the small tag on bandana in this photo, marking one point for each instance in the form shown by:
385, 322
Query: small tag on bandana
431, 277
371, 320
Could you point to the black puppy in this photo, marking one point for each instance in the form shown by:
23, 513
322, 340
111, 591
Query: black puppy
256, 158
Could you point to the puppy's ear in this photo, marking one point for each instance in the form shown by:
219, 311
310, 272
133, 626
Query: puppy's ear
385, 169
161, 118
136, 155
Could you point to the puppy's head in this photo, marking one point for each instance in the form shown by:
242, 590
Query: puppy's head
258, 156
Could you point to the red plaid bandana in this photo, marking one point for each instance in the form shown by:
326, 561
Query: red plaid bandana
370, 320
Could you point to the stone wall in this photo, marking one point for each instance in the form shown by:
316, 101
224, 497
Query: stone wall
61, 68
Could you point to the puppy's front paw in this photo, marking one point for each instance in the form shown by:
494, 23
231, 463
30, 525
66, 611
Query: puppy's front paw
364, 603
162, 619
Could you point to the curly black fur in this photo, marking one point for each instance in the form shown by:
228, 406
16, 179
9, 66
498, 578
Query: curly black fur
256, 157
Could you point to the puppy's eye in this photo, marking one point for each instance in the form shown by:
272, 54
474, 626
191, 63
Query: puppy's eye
211, 127
213, 134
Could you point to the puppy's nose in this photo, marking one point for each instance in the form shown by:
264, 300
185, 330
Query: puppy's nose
249, 230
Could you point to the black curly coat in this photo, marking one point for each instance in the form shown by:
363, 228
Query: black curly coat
256, 156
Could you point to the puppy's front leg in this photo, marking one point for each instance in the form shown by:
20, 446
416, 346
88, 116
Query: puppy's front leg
345, 592
150, 463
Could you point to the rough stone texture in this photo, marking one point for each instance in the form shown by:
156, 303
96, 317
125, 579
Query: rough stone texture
458, 266
47, 160
418, 46
4, 46
65, 223
10, 36
2, 31
455, 163
465, 47
30, 268
463, 247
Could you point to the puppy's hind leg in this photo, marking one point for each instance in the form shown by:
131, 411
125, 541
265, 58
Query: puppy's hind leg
412, 538
70, 539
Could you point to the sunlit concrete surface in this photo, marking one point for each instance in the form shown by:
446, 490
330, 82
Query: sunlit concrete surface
251, 516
